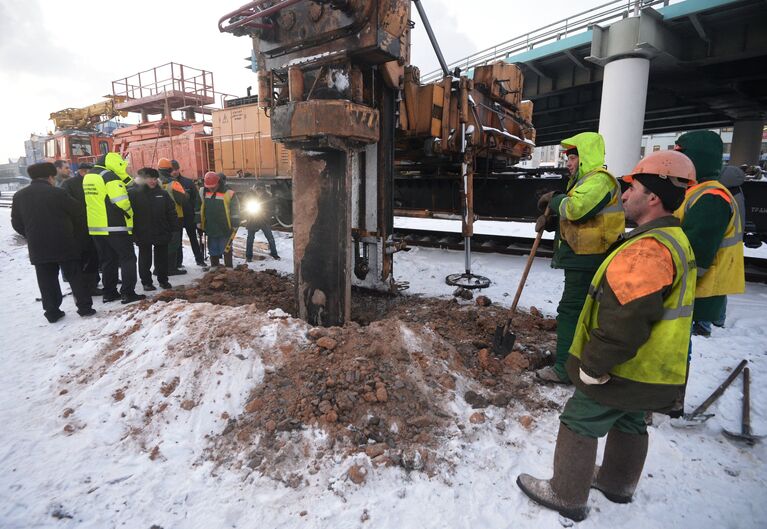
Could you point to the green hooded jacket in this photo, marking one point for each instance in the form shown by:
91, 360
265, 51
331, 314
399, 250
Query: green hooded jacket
595, 196
706, 222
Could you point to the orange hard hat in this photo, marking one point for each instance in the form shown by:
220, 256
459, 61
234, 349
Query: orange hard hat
668, 165
164, 163
211, 179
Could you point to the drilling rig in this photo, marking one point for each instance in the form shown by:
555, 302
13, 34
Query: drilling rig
334, 76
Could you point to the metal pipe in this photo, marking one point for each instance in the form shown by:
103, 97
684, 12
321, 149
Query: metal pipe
432, 38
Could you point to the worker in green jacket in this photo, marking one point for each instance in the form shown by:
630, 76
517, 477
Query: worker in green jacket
711, 219
219, 215
588, 218
629, 352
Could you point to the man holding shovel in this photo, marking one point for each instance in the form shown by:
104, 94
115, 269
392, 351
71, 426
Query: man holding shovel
588, 218
629, 352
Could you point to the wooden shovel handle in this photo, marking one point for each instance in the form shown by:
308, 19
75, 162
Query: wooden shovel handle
526, 271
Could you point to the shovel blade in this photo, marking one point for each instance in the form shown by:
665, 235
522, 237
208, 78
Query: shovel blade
503, 340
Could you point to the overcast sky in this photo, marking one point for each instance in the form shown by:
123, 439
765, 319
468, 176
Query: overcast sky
57, 54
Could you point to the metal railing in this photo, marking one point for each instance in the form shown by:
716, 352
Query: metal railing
170, 77
608, 12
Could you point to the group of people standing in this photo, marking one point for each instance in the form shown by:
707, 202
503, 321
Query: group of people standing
631, 302
85, 226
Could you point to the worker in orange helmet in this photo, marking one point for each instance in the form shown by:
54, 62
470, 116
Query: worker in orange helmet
219, 215
180, 199
629, 352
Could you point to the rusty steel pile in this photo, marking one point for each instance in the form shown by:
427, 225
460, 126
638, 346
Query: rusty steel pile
336, 80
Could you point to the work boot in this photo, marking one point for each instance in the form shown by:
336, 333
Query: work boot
548, 374
148, 287
276, 257
177, 272
53, 317
110, 296
215, 260
84, 313
568, 491
130, 298
622, 465
165, 285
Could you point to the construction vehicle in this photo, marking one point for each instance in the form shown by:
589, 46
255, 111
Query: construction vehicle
335, 80
79, 135
160, 91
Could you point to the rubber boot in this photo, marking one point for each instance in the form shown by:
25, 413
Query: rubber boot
215, 260
622, 465
568, 491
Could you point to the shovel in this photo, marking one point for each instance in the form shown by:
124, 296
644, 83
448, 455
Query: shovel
504, 338
745, 429
697, 416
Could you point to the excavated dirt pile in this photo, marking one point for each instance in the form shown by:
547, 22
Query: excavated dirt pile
391, 384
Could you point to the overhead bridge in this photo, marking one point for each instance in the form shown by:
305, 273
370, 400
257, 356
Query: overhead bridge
701, 63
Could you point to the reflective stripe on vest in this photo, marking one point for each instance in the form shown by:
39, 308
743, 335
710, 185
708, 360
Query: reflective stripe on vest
98, 205
726, 274
597, 234
662, 359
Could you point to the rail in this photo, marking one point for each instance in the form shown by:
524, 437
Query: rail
608, 12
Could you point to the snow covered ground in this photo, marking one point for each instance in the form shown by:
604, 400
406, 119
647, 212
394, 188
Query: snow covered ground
105, 421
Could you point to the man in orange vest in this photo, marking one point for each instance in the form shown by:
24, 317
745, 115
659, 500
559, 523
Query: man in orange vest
180, 198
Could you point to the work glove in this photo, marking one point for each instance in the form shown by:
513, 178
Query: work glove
543, 202
591, 381
546, 223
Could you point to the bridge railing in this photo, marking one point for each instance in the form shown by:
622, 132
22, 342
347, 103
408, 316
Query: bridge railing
608, 12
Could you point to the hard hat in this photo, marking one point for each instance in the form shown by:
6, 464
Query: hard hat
164, 163
667, 165
211, 180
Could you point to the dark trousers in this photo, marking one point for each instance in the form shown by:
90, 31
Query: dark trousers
145, 262
50, 289
89, 261
191, 231
116, 251
174, 247
252, 229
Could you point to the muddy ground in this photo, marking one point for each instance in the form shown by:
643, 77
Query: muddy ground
384, 384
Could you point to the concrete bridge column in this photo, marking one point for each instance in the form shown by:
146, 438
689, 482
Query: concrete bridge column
624, 49
621, 114
746, 142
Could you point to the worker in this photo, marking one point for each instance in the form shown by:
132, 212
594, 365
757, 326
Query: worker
258, 216
83, 168
47, 218
154, 222
189, 207
176, 191
588, 218
110, 223
629, 353
712, 221
218, 215
63, 172
89, 257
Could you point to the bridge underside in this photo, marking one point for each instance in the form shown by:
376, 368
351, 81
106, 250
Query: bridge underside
718, 77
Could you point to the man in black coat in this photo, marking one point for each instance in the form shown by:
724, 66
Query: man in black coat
89, 259
47, 217
154, 220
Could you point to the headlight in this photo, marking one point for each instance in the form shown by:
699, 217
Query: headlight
253, 207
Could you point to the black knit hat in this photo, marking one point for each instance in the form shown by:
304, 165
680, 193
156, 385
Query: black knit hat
41, 170
669, 194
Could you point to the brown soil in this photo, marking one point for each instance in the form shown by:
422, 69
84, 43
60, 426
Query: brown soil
380, 385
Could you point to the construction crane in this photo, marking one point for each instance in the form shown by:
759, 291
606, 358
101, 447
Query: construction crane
86, 118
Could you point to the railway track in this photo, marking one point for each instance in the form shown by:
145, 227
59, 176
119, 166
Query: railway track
756, 268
